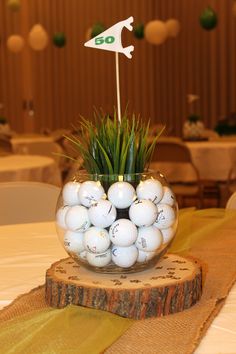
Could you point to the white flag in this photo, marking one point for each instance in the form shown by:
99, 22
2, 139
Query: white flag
111, 38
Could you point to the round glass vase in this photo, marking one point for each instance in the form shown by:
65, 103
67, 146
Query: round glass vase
116, 223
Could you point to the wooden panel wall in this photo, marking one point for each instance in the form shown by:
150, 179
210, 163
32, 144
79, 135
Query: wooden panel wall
71, 81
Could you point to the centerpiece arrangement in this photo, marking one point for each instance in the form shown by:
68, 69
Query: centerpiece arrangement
116, 215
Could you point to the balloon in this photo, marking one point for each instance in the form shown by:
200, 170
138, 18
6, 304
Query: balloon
38, 37
155, 32
234, 9
13, 5
97, 29
15, 43
173, 27
208, 19
139, 31
59, 39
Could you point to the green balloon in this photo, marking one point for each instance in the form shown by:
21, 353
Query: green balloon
59, 39
139, 30
97, 29
208, 19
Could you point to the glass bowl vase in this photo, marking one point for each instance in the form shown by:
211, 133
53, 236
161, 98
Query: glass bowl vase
116, 223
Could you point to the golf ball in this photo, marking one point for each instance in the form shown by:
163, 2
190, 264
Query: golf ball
70, 193
60, 216
124, 257
77, 219
73, 241
167, 234
150, 189
123, 232
144, 256
168, 196
83, 255
96, 240
149, 239
102, 213
90, 192
121, 194
165, 216
143, 212
99, 259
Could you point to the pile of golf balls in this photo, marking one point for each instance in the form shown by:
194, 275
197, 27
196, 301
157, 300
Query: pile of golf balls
93, 233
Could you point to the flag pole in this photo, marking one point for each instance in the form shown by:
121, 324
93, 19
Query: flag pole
118, 86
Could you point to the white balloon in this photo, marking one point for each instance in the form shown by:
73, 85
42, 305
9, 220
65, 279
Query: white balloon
38, 37
173, 27
156, 32
15, 43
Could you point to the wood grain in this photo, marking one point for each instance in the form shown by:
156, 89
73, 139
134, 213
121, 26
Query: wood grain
173, 285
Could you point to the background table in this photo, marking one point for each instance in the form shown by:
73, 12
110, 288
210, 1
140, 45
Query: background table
29, 168
27, 250
213, 159
22, 143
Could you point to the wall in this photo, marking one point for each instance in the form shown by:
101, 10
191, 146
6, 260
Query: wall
68, 82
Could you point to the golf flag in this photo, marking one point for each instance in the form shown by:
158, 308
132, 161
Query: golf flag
111, 39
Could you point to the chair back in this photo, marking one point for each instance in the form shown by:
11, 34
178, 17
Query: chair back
25, 202
171, 151
5, 144
231, 203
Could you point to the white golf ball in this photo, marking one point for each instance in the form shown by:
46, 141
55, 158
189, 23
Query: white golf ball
121, 194
150, 189
99, 259
123, 232
60, 216
70, 193
168, 197
143, 212
73, 241
96, 240
82, 255
165, 216
167, 234
144, 256
102, 213
90, 192
77, 219
124, 257
149, 239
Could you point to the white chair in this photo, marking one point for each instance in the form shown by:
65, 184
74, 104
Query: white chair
25, 202
231, 203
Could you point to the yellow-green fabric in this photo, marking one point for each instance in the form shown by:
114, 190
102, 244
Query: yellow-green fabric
196, 225
73, 329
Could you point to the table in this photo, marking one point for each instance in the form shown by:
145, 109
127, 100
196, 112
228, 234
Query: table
29, 168
23, 264
213, 159
23, 143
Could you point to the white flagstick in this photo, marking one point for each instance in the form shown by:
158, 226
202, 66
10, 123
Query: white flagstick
118, 86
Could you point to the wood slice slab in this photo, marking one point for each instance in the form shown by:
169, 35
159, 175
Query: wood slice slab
173, 285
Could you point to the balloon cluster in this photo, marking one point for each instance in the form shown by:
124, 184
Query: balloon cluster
38, 40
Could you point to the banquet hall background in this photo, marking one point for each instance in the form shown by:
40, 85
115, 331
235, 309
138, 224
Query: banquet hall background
50, 89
